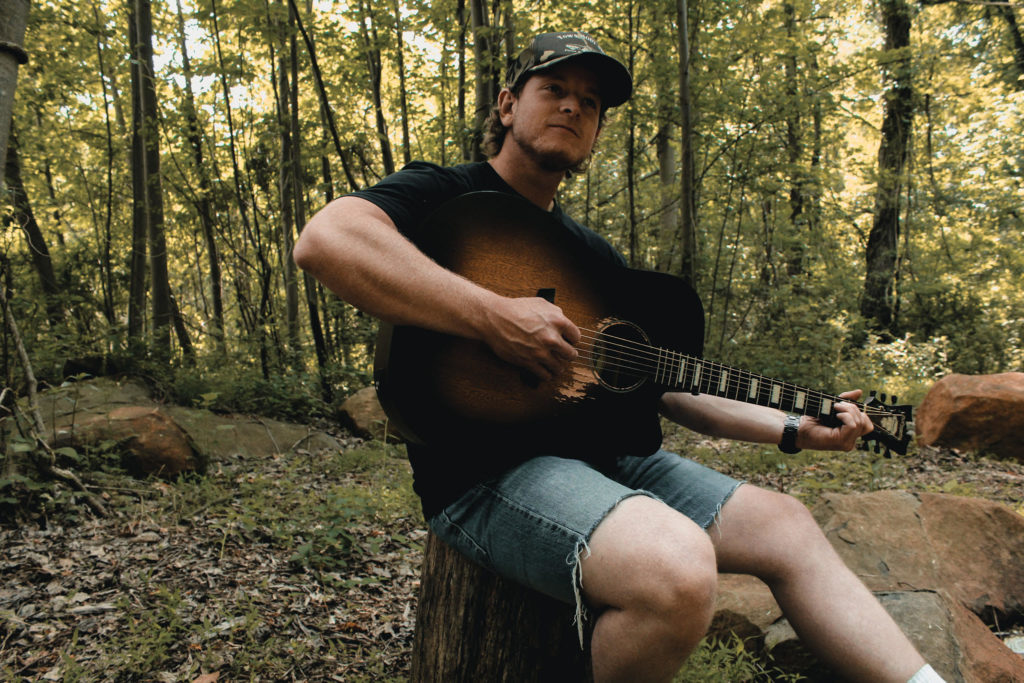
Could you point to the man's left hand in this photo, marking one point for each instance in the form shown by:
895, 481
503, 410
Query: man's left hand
853, 424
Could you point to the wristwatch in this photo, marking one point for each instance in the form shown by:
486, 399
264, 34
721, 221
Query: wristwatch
789, 430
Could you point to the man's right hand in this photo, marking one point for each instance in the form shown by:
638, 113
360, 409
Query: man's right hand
533, 334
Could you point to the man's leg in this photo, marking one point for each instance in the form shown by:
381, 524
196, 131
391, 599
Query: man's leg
650, 576
774, 537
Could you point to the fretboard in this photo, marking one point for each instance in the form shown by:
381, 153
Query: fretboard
679, 372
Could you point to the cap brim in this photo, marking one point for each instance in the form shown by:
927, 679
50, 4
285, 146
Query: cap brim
616, 83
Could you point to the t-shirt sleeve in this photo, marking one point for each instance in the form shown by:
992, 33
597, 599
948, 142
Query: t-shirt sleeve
413, 193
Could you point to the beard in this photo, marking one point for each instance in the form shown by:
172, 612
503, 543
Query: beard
558, 159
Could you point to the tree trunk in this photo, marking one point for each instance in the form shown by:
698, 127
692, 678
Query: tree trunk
1009, 15
13, 18
137, 267
879, 302
460, 48
403, 102
326, 113
371, 45
472, 625
25, 219
634, 238
795, 147
486, 82
106, 240
148, 126
286, 197
204, 206
298, 199
668, 189
688, 220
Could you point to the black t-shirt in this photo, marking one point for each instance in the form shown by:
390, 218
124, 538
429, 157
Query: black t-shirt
409, 197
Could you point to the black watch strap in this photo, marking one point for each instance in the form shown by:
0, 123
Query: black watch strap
789, 430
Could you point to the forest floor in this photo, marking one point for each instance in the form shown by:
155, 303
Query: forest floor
304, 565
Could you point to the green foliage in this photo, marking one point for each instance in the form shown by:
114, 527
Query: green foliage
730, 661
904, 368
234, 388
28, 493
329, 541
786, 105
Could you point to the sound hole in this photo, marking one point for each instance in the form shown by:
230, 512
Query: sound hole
621, 356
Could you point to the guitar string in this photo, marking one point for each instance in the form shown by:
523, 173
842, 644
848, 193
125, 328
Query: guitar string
650, 358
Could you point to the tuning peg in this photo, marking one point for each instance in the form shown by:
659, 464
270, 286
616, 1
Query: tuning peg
888, 453
872, 393
892, 399
881, 397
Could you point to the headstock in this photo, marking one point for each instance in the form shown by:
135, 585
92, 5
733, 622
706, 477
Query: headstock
892, 423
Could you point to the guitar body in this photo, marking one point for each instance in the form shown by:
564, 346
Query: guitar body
450, 391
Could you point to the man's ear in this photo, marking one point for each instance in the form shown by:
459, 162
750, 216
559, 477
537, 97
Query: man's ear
505, 101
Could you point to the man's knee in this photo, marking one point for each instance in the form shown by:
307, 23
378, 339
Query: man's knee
768, 534
647, 556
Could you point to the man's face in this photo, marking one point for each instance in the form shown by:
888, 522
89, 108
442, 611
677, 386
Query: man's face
556, 118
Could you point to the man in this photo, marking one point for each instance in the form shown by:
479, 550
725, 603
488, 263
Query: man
636, 541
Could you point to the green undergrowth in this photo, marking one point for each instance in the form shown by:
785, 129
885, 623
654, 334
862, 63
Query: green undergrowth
731, 661
310, 504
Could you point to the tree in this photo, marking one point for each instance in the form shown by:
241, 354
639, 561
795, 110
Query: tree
204, 205
13, 17
879, 303
146, 128
25, 219
687, 200
372, 53
487, 57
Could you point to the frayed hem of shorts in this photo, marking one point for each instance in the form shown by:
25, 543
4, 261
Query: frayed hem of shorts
716, 518
580, 553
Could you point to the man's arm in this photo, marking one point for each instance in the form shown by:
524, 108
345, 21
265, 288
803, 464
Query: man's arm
355, 250
723, 418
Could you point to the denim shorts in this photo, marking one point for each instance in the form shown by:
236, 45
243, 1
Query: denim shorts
532, 523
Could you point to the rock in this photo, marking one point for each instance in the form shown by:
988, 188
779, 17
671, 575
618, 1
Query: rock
966, 551
946, 568
744, 607
975, 412
153, 444
362, 414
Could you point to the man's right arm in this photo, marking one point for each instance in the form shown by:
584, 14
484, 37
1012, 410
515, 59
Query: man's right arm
355, 250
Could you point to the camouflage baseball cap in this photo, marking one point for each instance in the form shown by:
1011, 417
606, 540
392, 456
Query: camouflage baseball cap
548, 49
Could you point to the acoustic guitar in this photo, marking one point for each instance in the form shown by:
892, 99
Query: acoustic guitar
642, 335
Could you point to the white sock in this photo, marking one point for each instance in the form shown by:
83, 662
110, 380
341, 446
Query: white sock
926, 674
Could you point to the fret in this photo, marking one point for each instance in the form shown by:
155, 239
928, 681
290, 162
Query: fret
682, 371
799, 400
826, 406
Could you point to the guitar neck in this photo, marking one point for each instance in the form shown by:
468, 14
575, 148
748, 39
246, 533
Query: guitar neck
680, 372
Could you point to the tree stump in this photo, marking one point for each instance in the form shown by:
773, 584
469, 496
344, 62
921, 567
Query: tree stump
472, 625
